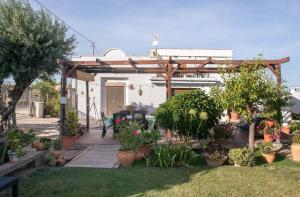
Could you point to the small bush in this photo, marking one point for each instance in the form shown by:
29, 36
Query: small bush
241, 156
71, 124
171, 155
296, 139
191, 113
223, 130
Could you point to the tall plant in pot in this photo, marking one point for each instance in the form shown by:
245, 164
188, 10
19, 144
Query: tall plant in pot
295, 147
71, 131
128, 137
146, 139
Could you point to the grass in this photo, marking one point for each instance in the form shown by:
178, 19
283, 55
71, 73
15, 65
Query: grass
279, 179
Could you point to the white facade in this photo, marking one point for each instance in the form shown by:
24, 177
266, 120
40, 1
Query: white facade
152, 87
295, 91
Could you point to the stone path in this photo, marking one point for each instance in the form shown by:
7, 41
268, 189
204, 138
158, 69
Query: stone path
97, 156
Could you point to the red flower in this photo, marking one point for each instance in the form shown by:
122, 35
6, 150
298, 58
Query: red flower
135, 132
118, 121
126, 121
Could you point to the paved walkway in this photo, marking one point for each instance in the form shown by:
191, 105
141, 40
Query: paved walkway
97, 156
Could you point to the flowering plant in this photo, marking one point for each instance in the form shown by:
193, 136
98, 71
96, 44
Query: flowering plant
129, 136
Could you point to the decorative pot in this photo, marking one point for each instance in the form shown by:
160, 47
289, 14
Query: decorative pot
268, 138
234, 116
286, 130
13, 157
214, 162
68, 141
126, 158
143, 152
39, 146
295, 150
270, 123
269, 158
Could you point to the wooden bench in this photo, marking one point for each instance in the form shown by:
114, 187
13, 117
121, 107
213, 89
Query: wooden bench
32, 157
13, 182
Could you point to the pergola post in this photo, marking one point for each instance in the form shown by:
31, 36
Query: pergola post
63, 93
87, 106
169, 80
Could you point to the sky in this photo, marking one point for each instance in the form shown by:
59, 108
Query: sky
268, 27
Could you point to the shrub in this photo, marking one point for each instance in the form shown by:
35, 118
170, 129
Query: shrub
191, 113
171, 155
149, 137
46, 141
71, 124
295, 126
223, 130
241, 156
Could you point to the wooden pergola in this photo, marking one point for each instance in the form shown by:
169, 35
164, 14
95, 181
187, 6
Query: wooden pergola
166, 68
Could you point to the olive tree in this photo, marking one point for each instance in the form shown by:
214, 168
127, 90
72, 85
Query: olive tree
251, 91
31, 42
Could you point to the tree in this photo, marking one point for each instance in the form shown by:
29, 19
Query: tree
251, 91
31, 42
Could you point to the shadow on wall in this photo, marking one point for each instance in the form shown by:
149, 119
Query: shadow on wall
149, 109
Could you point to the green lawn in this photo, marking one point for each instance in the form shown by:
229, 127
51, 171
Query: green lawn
279, 179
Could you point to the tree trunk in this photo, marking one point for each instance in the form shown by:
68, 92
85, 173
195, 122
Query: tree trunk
15, 94
252, 134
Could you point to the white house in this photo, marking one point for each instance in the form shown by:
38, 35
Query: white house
112, 92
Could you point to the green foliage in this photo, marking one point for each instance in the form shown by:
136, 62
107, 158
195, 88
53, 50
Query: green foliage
252, 90
296, 139
128, 136
47, 142
50, 96
149, 137
56, 144
191, 113
31, 42
223, 130
171, 155
242, 156
266, 148
295, 126
71, 124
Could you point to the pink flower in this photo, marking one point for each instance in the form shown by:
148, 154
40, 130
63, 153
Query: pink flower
123, 118
118, 121
136, 132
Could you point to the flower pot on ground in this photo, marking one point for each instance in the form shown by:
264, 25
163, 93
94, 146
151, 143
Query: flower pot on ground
71, 132
215, 159
268, 137
268, 154
128, 137
146, 139
295, 147
143, 152
126, 158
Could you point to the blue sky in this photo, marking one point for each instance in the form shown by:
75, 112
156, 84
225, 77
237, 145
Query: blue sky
270, 27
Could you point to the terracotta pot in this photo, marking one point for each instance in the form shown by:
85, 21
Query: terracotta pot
286, 130
234, 116
268, 138
39, 146
143, 152
68, 141
126, 158
214, 162
269, 158
270, 123
295, 149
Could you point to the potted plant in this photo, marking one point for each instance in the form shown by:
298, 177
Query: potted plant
267, 152
56, 153
215, 159
295, 147
234, 116
128, 137
241, 157
147, 139
71, 132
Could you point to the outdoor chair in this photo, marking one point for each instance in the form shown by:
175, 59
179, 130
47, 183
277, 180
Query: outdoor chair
115, 117
105, 124
125, 112
140, 117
